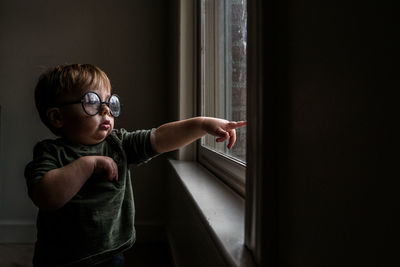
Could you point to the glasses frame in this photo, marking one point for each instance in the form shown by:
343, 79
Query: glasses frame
107, 103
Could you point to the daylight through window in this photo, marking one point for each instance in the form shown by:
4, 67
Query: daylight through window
223, 69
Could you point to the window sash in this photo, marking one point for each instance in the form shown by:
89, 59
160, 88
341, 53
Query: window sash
214, 74
229, 169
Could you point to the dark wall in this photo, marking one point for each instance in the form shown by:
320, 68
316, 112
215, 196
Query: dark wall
335, 91
129, 40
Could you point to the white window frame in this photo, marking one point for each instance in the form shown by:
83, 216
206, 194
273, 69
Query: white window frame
231, 170
262, 177
261, 182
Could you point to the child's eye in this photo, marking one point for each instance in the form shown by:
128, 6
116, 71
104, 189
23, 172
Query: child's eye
92, 102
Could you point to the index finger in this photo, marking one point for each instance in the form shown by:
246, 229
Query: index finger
236, 124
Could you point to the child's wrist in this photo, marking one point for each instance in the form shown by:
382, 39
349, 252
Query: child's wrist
203, 124
90, 162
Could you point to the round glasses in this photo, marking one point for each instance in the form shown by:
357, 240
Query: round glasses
91, 104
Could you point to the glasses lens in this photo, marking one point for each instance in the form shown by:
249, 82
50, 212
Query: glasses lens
115, 105
91, 103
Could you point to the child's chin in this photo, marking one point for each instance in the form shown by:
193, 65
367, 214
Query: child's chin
107, 133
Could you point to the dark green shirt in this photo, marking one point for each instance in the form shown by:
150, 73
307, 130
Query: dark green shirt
98, 221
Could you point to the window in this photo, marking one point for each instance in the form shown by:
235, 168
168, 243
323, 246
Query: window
223, 30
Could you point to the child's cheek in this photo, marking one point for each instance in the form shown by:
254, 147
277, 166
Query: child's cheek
112, 125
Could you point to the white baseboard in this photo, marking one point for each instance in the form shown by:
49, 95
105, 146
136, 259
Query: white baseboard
17, 232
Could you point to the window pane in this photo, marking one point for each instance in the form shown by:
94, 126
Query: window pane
223, 68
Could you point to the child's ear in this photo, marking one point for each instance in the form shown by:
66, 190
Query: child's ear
54, 117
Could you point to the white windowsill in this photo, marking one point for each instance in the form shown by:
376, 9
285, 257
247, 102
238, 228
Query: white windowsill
221, 209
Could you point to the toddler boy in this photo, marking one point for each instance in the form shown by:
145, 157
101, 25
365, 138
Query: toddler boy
81, 181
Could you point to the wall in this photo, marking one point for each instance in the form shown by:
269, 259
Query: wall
127, 39
336, 100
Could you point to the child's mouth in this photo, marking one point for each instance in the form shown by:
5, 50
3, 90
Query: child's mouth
105, 125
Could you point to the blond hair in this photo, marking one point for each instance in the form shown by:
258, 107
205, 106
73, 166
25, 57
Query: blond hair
55, 83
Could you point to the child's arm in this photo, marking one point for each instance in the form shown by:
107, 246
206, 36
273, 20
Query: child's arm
58, 186
173, 135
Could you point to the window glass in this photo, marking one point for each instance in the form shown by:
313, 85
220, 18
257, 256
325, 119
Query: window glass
223, 68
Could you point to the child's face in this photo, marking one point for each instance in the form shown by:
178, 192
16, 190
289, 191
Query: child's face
81, 128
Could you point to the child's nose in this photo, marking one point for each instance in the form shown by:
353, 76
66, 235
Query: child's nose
104, 109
